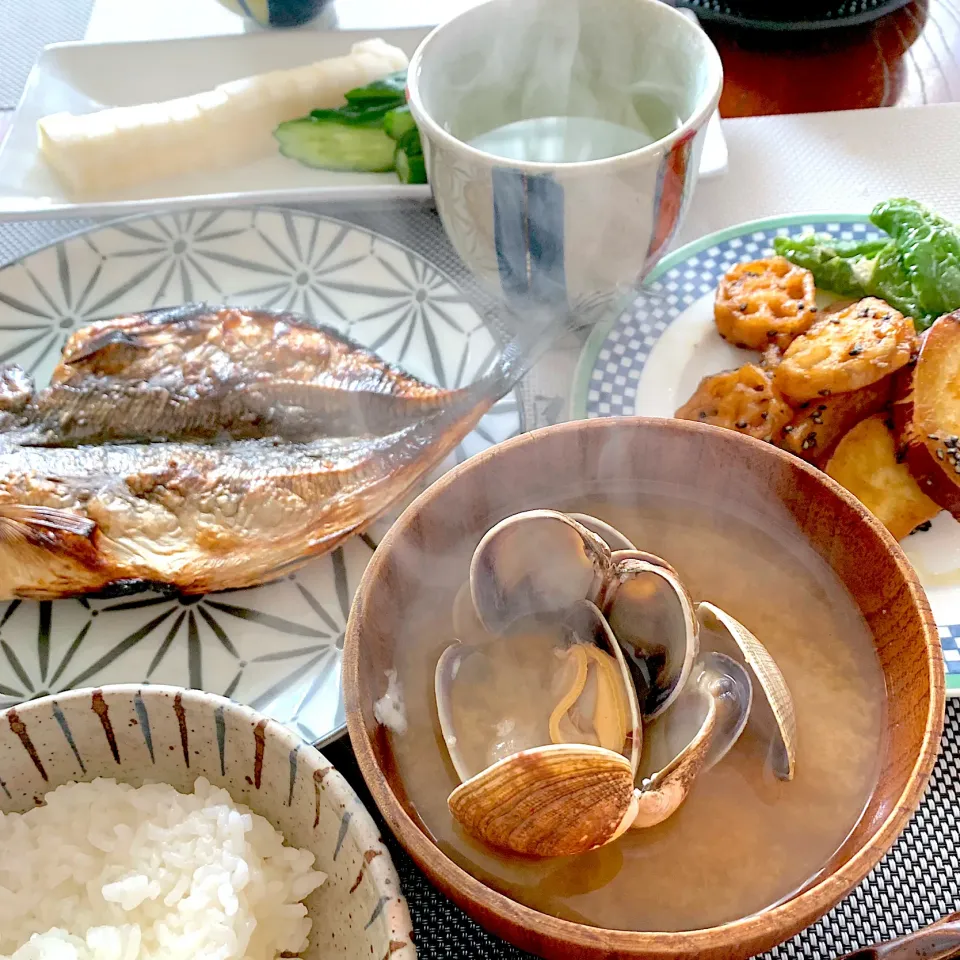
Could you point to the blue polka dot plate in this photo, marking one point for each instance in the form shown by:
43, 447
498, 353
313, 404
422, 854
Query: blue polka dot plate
649, 360
276, 648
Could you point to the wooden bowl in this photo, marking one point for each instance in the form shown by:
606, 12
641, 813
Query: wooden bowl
542, 468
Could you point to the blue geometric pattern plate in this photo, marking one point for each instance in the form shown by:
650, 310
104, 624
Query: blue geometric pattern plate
649, 360
276, 648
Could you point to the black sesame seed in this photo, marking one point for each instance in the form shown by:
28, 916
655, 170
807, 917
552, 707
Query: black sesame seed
922, 528
825, 393
743, 308
813, 309
763, 416
701, 416
788, 429
810, 441
855, 350
741, 424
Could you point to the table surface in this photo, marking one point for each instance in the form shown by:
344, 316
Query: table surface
907, 58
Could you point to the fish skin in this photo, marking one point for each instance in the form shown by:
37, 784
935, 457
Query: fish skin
206, 373
198, 517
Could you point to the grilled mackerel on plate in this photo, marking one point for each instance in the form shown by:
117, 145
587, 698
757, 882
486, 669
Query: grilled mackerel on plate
209, 448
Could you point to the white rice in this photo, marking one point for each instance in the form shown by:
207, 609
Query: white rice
106, 871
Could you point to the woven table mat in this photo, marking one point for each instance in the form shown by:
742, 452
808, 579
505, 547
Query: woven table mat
26, 27
914, 885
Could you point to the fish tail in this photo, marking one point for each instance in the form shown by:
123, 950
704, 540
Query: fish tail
537, 334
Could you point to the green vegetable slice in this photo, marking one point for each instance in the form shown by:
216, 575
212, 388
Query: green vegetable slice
410, 169
336, 144
399, 122
391, 88
372, 132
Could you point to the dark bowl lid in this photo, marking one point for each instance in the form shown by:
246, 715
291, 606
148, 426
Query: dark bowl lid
791, 14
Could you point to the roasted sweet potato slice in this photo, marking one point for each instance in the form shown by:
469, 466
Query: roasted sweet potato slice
865, 462
764, 302
926, 413
845, 351
743, 400
817, 426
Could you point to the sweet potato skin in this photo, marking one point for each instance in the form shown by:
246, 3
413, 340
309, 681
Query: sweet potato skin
927, 441
819, 425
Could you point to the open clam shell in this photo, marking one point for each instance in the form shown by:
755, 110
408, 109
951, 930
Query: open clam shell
697, 732
540, 788
652, 616
551, 801
538, 561
774, 713
467, 627
558, 679
610, 535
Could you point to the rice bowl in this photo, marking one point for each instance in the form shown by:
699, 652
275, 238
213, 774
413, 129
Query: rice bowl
152, 822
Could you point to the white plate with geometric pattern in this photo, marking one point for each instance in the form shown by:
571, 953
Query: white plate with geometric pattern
649, 360
276, 648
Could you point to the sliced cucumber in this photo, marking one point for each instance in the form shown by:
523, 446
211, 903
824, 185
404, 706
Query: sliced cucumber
390, 88
398, 122
333, 145
411, 168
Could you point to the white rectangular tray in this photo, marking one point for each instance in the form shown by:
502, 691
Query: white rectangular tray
82, 77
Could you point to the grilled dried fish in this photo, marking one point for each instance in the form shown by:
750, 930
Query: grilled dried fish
203, 373
223, 513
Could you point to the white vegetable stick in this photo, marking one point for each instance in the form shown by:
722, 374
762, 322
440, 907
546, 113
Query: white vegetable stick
97, 153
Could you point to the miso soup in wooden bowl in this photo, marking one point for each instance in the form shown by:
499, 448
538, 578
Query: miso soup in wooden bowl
748, 858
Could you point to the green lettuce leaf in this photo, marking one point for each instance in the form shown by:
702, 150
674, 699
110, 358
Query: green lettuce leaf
835, 265
928, 247
916, 268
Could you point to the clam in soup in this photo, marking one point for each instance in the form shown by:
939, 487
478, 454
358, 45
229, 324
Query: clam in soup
698, 703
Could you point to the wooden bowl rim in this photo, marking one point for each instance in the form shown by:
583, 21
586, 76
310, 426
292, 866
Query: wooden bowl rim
768, 927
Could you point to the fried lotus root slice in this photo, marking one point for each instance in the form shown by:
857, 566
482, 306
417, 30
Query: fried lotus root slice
818, 426
744, 400
765, 302
847, 350
865, 462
